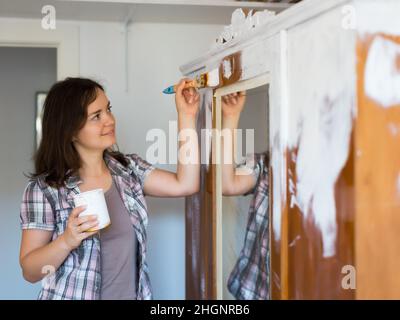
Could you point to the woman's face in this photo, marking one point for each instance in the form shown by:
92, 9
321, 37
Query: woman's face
98, 133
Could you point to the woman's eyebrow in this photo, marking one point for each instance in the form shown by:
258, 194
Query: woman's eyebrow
108, 104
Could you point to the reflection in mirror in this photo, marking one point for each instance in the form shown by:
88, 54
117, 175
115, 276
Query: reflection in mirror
245, 230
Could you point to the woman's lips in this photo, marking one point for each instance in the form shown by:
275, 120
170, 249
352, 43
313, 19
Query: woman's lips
110, 133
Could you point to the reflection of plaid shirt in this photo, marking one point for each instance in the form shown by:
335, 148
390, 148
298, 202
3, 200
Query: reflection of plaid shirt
250, 278
47, 208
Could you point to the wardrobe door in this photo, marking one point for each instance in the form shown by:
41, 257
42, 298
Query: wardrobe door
320, 158
377, 166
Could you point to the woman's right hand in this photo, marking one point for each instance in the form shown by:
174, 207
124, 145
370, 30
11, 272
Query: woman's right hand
232, 104
77, 228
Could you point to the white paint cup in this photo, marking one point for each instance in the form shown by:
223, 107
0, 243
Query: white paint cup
96, 205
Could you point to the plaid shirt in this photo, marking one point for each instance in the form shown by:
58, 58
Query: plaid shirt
250, 278
47, 208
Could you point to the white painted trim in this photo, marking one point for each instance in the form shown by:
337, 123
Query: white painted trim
28, 33
289, 18
218, 202
238, 86
284, 79
244, 85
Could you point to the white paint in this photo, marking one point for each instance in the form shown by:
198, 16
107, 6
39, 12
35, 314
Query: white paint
253, 60
398, 184
227, 69
322, 107
276, 279
292, 187
244, 85
206, 96
292, 192
394, 129
277, 190
293, 201
296, 15
278, 127
213, 78
382, 75
242, 27
294, 241
376, 17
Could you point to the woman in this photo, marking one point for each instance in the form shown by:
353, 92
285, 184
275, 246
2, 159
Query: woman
76, 155
250, 277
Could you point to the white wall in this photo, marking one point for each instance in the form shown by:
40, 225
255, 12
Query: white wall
155, 51
20, 79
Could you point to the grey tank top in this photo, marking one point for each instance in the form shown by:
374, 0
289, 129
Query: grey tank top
118, 251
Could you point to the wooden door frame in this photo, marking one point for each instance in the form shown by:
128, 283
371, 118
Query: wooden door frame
204, 210
28, 33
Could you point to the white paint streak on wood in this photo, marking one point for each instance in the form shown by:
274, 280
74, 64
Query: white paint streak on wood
382, 75
394, 129
294, 241
206, 96
378, 16
213, 78
227, 69
322, 88
277, 280
293, 201
398, 185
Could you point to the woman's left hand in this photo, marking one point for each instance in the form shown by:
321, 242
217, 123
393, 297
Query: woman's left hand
187, 100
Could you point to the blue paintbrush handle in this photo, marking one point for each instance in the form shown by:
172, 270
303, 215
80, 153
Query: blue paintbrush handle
169, 90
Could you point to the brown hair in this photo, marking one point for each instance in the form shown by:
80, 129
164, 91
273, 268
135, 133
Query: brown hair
64, 114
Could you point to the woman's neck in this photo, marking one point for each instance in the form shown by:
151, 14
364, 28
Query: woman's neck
93, 166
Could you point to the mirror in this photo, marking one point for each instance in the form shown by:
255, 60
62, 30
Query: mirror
252, 137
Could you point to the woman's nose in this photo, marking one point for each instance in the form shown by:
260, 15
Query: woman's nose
110, 120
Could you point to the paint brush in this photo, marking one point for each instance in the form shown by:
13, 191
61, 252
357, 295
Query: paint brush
209, 79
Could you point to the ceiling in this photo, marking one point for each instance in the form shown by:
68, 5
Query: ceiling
121, 11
